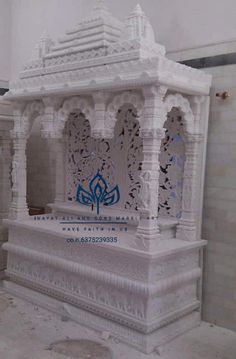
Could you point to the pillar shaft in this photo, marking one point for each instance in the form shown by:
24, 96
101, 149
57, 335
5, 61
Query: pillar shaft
19, 209
152, 133
148, 226
187, 228
5, 180
60, 148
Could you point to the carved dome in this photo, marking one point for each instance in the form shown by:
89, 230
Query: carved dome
138, 25
103, 52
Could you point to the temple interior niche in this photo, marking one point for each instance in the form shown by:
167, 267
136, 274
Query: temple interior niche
117, 159
172, 159
40, 169
86, 155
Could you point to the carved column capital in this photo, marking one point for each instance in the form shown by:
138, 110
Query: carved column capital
154, 109
19, 135
18, 107
154, 91
198, 100
157, 133
100, 96
197, 104
52, 102
194, 138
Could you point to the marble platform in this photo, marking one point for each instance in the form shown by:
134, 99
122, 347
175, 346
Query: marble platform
140, 297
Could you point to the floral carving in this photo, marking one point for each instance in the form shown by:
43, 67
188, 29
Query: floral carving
172, 159
87, 155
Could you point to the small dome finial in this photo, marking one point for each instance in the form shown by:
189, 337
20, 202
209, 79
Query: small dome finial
138, 10
138, 25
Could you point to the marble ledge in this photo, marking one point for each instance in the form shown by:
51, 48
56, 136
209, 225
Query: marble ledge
126, 242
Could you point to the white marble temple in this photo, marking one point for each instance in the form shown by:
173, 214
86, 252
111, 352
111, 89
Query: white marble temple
105, 94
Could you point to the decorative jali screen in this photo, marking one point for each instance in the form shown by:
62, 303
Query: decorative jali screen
172, 158
119, 160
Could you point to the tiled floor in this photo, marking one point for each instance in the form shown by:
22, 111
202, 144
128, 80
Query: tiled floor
26, 332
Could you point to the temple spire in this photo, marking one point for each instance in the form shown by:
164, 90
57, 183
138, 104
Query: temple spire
138, 25
138, 10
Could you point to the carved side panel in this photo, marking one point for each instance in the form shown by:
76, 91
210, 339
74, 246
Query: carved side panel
172, 158
118, 159
128, 154
85, 156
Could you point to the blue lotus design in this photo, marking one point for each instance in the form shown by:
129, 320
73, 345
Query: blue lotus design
98, 194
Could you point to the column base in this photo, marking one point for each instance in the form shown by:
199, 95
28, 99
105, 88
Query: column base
147, 239
187, 231
19, 213
146, 244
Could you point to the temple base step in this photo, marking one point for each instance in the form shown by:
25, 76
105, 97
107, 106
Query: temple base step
145, 343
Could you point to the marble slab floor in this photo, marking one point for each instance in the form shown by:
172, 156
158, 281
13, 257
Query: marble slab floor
29, 332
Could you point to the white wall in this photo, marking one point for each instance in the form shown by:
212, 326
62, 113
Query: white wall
178, 24
219, 215
5, 36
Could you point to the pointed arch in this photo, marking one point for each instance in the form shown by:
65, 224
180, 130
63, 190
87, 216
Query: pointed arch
23, 123
183, 105
133, 98
70, 105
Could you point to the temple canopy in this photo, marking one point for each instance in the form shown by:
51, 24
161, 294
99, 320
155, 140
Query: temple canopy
100, 52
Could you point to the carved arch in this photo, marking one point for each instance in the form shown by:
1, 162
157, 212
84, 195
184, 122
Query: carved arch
133, 98
23, 123
70, 105
184, 106
33, 109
